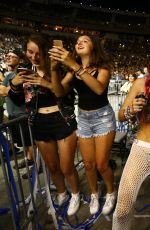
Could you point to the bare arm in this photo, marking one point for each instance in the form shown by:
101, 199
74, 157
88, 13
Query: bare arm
96, 85
4, 90
61, 86
136, 105
1, 77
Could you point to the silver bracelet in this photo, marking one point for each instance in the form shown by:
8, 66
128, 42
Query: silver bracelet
127, 113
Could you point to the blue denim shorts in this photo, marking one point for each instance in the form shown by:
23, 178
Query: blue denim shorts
96, 123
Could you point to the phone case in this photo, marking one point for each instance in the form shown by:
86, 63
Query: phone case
58, 43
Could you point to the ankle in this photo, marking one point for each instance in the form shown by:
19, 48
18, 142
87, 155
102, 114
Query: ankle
111, 194
62, 194
75, 195
95, 194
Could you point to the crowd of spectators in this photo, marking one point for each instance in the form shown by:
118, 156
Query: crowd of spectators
128, 55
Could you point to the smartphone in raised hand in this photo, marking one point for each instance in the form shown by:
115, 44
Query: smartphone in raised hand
58, 43
26, 67
27, 71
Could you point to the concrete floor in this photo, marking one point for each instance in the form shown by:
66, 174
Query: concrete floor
141, 219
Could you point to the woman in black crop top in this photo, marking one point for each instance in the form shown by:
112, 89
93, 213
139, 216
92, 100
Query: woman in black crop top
89, 74
56, 139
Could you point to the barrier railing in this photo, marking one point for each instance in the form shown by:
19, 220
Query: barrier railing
22, 204
26, 199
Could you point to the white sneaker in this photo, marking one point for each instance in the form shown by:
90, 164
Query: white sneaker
73, 204
49, 212
109, 203
94, 204
62, 198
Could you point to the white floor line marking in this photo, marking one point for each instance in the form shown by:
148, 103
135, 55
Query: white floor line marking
142, 216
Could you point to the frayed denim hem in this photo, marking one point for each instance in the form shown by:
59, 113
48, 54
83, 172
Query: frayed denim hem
82, 136
96, 135
103, 134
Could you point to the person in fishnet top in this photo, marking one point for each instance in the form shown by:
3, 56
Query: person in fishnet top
136, 107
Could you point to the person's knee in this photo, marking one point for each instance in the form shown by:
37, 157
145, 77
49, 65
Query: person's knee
102, 167
54, 168
89, 165
67, 170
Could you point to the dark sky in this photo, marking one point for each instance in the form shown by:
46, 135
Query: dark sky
139, 5
132, 5
128, 5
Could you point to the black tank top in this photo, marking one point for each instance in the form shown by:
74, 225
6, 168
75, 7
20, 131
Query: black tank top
46, 98
87, 99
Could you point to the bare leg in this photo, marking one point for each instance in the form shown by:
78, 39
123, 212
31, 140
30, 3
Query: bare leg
29, 153
87, 148
103, 147
49, 153
67, 148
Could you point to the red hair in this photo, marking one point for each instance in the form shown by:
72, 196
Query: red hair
147, 86
145, 112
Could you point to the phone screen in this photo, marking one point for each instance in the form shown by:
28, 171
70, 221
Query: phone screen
28, 71
58, 43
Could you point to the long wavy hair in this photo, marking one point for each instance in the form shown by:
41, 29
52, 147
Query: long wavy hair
147, 83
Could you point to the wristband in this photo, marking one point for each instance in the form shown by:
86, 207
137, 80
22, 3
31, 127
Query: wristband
127, 113
80, 68
80, 71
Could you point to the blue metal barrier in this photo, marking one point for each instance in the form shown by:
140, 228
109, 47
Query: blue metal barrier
13, 192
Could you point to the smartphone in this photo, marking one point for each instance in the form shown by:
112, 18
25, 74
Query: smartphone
58, 43
28, 71
26, 66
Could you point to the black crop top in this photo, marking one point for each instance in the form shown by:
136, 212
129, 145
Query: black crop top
38, 97
46, 98
88, 100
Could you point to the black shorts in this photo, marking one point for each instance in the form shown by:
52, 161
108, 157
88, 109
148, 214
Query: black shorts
15, 132
52, 126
